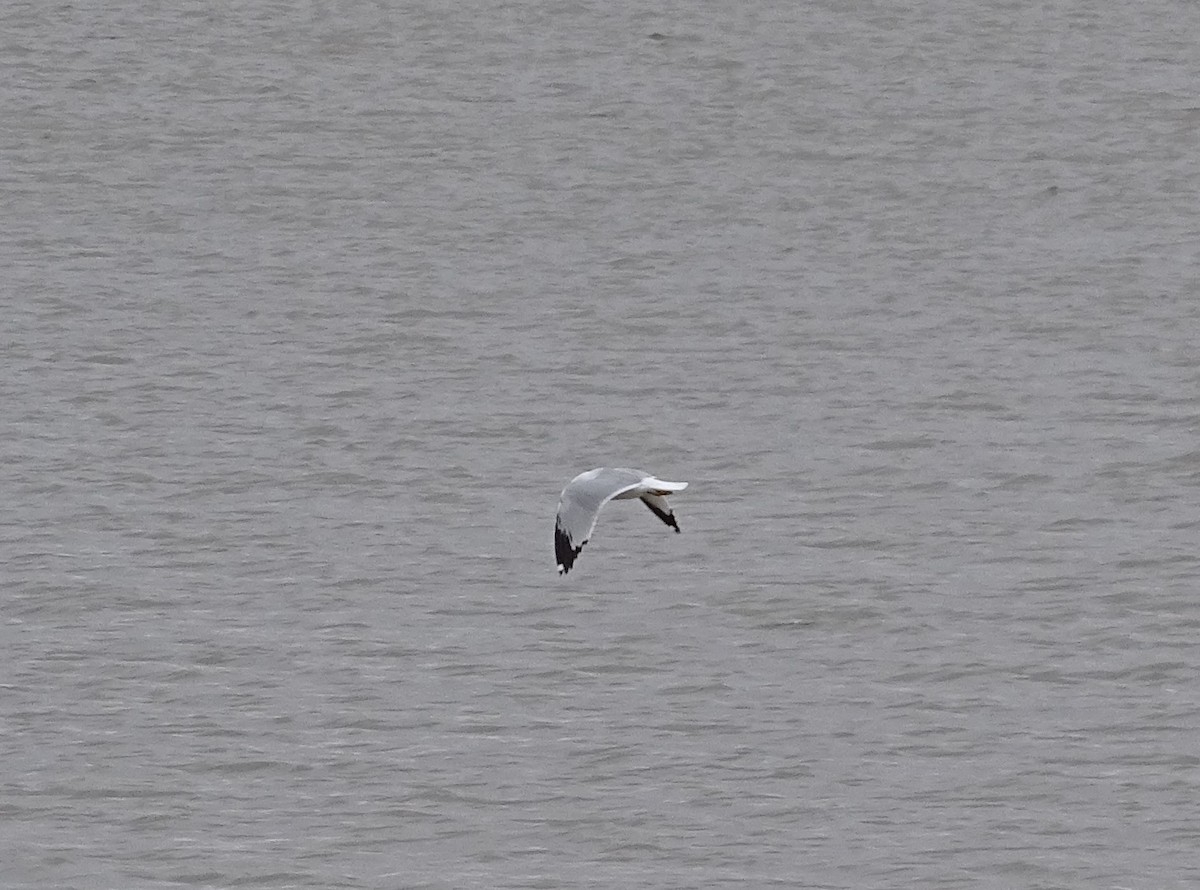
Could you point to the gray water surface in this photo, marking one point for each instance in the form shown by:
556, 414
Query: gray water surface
310, 312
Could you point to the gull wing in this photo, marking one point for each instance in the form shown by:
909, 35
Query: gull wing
579, 507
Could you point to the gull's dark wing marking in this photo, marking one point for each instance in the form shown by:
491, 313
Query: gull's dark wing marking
660, 508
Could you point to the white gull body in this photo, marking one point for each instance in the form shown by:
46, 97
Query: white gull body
581, 500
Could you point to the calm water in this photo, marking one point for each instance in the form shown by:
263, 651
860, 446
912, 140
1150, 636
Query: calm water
310, 312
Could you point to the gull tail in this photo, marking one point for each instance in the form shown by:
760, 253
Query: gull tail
661, 487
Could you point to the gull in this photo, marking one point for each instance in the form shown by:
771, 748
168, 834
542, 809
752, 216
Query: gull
581, 500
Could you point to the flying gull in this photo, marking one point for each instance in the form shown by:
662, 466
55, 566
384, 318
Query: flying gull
584, 495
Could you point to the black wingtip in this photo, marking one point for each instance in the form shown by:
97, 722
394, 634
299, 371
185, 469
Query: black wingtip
668, 518
564, 552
